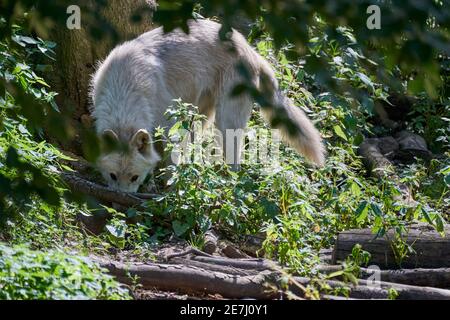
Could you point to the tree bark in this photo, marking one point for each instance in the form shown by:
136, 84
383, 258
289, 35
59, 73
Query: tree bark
78, 52
431, 249
104, 194
263, 285
183, 278
437, 278
252, 264
365, 289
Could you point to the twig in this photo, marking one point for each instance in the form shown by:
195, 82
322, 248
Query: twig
190, 250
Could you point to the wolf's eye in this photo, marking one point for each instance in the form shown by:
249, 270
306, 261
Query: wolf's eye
134, 178
113, 176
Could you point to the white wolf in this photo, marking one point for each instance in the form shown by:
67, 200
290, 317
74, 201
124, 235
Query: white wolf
135, 84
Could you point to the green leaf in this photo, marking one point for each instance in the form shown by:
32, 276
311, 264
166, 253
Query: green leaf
117, 231
447, 180
439, 223
180, 228
362, 211
376, 209
338, 130
365, 79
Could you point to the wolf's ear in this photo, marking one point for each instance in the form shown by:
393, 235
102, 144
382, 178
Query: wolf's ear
108, 141
110, 135
141, 140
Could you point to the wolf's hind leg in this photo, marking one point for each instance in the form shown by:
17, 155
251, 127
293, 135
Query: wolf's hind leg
207, 107
232, 115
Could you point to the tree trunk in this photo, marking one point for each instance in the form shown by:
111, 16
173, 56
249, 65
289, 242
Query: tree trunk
78, 52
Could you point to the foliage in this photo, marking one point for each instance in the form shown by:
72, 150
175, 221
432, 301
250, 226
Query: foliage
27, 274
410, 37
25, 161
298, 207
325, 60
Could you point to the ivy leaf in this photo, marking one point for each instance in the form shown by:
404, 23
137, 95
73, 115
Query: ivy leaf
117, 231
180, 228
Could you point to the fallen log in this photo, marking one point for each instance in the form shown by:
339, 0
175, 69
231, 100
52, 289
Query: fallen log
408, 292
375, 153
373, 158
331, 297
431, 249
325, 255
252, 263
263, 285
211, 239
81, 185
437, 278
190, 279
366, 289
214, 267
229, 250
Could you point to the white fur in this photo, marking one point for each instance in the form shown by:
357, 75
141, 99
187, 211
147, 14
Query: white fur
139, 79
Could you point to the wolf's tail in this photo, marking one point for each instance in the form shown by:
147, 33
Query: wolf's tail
296, 128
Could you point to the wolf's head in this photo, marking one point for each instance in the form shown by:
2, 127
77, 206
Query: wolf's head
126, 170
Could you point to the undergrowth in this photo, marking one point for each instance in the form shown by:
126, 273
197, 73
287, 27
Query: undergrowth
299, 208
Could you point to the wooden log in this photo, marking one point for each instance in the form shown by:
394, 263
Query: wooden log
211, 239
366, 289
214, 267
408, 292
229, 250
437, 278
253, 263
331, 297
374, 152
431, 249
325, 255
264, 285
252, 245
81, 185
376, 163
183, 278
